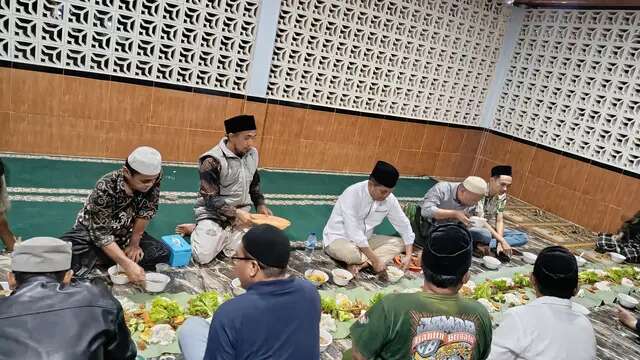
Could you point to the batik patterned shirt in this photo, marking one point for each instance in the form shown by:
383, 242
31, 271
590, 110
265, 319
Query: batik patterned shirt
490, 206
109, 213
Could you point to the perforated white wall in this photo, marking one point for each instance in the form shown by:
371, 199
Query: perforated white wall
574, 84
421, 59
203, 43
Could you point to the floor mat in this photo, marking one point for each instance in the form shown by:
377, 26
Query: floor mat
47, 192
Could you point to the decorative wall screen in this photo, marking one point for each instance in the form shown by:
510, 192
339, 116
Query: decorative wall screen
422, 59
574, 84
203, 43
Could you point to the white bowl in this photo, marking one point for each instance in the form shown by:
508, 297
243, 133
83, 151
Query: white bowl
477, 221
236, 287
617, 258
627, 301
529, 258
580, 308
321, 273
491, 263
581, 261
156, 282
341, 277
162, 267
117, 277
394, 274
325, 340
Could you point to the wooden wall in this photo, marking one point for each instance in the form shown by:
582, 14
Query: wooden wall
46, 113
573, 189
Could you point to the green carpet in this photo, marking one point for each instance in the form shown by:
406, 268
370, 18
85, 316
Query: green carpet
57, 179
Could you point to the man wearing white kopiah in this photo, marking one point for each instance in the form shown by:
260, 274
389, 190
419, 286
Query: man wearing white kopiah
348, 236
229, 184
110, 227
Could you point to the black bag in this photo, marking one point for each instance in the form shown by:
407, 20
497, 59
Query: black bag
420, 227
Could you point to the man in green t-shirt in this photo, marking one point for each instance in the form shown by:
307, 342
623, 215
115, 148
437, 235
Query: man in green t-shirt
435, 323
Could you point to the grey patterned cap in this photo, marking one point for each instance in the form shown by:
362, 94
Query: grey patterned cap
41, 254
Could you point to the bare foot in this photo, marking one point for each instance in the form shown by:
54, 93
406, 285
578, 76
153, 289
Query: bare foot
185, 229
354, 269
626, 317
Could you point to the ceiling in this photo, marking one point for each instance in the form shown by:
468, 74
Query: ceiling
580, 3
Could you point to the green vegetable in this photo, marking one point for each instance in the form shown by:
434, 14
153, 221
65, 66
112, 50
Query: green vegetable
483, 291
500, 284
616, 275
376, 298
345, 315
163, 310
204, 304
226, 297
588, 277
328, 305
521, 281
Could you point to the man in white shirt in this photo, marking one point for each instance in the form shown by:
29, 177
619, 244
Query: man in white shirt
548, 327
348, 236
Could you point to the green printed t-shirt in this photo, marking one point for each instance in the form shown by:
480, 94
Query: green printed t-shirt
423, 326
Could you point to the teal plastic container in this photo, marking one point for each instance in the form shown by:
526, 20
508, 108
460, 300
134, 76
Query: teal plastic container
180, 250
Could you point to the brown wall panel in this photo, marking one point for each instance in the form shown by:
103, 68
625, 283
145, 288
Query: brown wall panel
55, 114
5, 89
597, 198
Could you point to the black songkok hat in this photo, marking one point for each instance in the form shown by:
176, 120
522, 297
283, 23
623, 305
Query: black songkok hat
501, 170
385, 174
556, 266
267, 244
448, 250
240, 123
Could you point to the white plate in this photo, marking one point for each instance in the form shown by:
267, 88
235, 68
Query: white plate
491, 263
627, 301
236, 287
341, 277
325, 340
310, 272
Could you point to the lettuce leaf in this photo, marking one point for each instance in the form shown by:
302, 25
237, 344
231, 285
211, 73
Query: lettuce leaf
163, 310
204, 304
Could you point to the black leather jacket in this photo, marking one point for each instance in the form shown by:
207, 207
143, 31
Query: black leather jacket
43, 320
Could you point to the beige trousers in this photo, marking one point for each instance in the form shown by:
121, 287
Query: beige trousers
4, 196
385, 247
209, 239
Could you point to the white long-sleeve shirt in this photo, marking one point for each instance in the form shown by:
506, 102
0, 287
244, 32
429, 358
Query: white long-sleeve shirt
545, 329
355, 216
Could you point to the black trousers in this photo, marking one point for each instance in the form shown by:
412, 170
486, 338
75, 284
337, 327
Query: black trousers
86, 256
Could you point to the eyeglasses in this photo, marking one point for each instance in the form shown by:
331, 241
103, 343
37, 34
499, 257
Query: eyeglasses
235, 260
241, 258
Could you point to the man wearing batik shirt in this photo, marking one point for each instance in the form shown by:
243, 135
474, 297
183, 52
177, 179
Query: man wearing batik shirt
110, 227
493, 233
229, 185
435, 323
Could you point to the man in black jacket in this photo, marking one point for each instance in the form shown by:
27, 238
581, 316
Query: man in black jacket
48, 317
